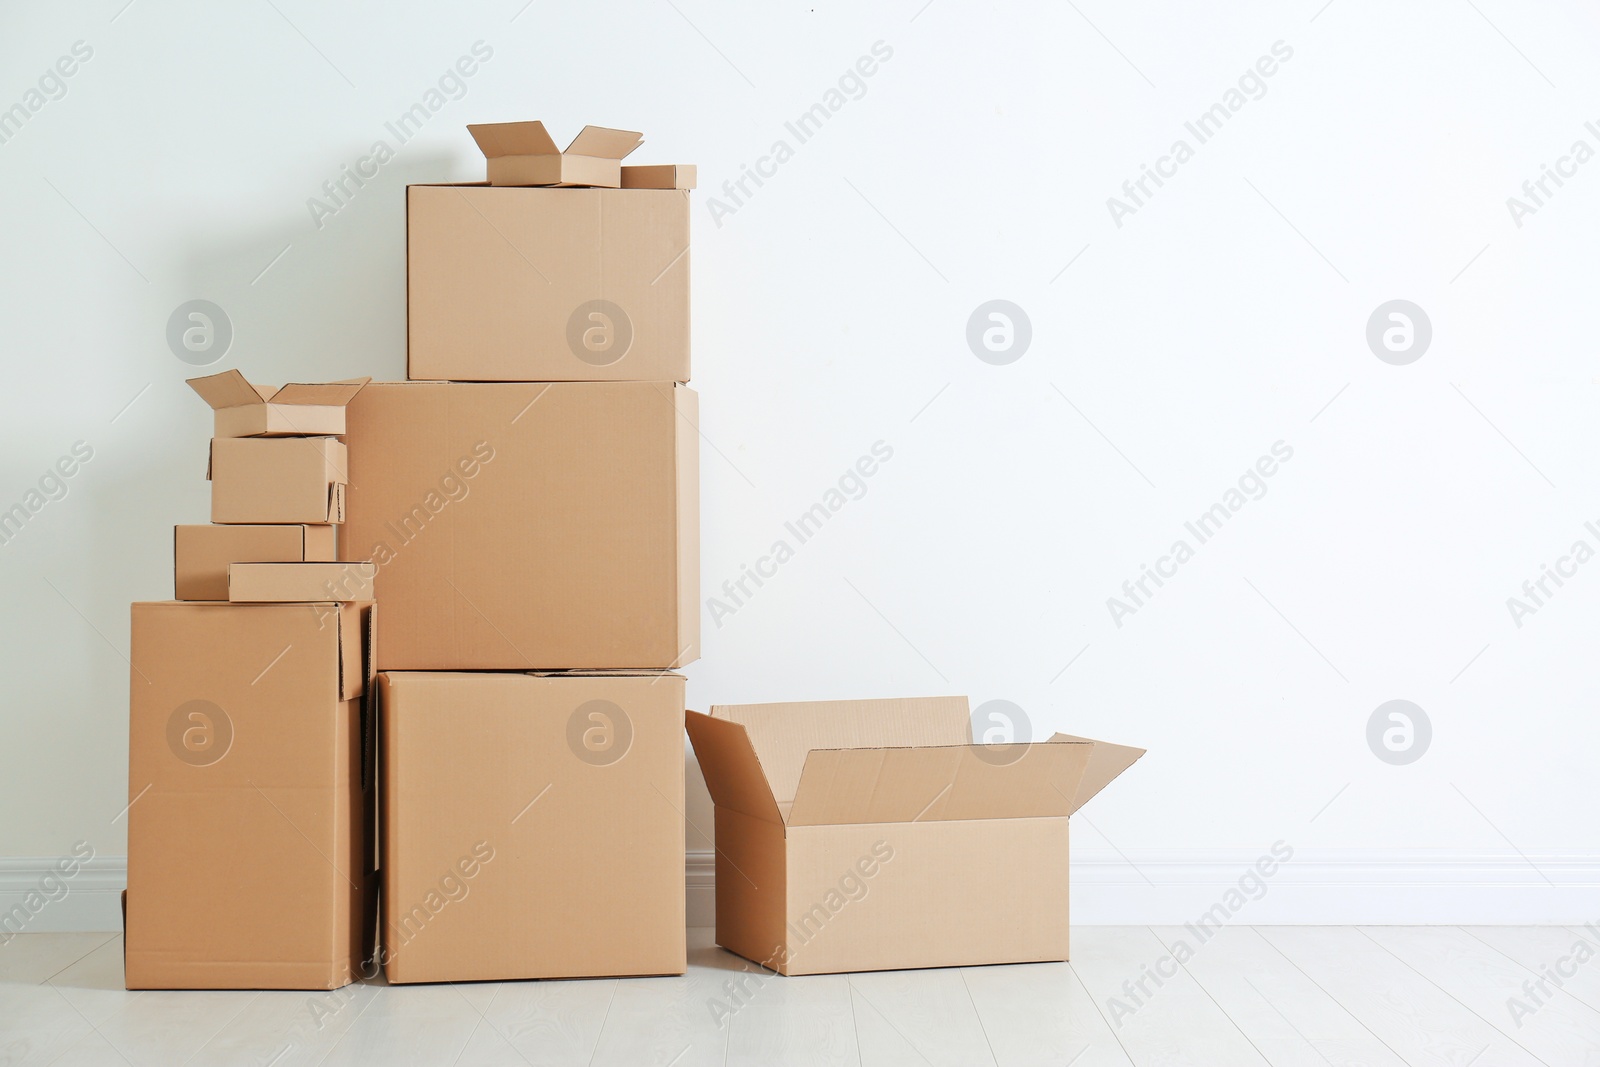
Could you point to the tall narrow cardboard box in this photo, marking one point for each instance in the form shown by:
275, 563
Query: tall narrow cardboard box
250, 860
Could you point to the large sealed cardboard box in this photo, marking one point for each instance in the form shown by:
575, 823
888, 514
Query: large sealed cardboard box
541, 284
201, 554
866, 835
250, 796
528, 526
278, 479
532, 825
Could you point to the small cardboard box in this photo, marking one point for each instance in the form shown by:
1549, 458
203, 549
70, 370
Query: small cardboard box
547, 285
864, 835
201, 554
522, 527
278, 479
299, 583
250, 796
523, 153
245, 410
661, 176
532, 825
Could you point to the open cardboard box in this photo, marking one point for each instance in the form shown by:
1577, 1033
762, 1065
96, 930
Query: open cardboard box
862, 835
246, 410
523, 153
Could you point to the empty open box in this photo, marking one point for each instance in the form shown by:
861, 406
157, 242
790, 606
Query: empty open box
246, 410
523, 153
864, 835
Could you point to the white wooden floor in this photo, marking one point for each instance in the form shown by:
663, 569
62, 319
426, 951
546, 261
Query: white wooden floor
1319, 996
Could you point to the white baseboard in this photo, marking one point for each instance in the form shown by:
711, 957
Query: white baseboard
91, 899
1150, 887
1326, 887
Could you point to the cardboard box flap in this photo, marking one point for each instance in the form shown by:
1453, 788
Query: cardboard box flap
1106, 762
354, 621
939, 783
227, 390
783, 734
327, 394
513, 139
604, 143
733, 771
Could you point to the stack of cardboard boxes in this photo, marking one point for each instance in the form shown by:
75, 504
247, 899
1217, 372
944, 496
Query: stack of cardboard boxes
525, 509
530, 498
250, 770
505, 752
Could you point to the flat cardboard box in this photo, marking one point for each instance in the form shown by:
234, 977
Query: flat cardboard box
278, 479
523, 153
299, 583
863, 835
246, 410
546, 285
532, 825
661, 176
522, 527
250, 796
201, 554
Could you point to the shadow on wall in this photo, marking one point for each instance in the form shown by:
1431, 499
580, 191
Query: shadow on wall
315, 296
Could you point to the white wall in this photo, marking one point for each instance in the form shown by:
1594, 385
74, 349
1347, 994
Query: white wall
1168, 353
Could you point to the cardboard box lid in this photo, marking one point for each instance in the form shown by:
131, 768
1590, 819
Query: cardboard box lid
860, 761
1106, 762
230, 389
496, 139
939, 783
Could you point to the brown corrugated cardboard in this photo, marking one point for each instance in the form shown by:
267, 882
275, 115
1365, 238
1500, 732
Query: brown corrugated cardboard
547, 284
532, 825
201, 554
299, 583
666, 176
523, 153
528, 526
246, 410
278, 479
250, 800
874, 835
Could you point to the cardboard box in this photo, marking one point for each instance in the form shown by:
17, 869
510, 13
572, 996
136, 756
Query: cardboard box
250, 799
245, 410
299, 583
278, 479
668, 176
525, 527
547, 284
863, 835
201, 554
523, 153
532, 825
